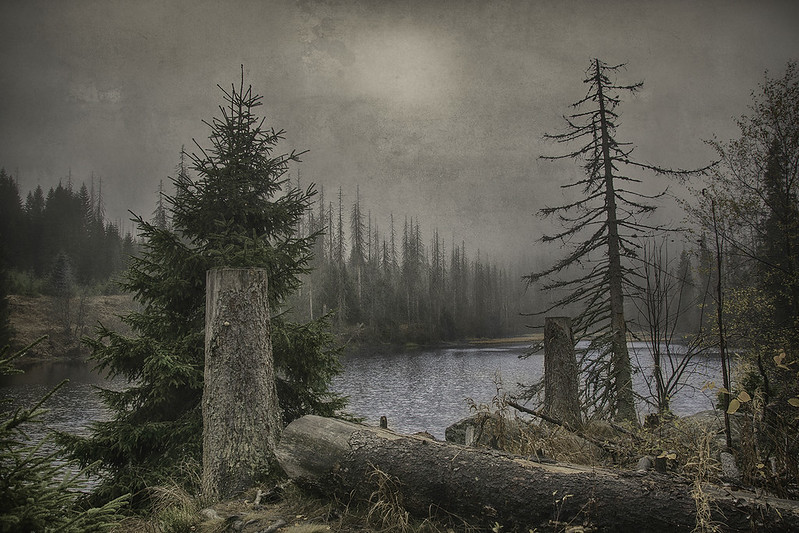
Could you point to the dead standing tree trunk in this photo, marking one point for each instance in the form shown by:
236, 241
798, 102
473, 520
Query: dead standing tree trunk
241, 416
561, 399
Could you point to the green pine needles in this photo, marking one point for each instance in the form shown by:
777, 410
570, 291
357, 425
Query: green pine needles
37, 491
239, 211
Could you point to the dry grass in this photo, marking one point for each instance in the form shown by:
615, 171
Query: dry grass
175, 510
501, 427
705, 467
298, 510
33, 317
386, 510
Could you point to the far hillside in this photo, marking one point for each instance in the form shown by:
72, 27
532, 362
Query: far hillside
64, 322
61, 258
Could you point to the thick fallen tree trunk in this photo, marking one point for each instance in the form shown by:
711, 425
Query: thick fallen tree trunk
487, 487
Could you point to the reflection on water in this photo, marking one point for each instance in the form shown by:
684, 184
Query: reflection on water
73, 408
418, 390
426, 390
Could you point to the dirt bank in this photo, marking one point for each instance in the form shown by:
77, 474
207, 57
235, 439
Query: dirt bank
65, 322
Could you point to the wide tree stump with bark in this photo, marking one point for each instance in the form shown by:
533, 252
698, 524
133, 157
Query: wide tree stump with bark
487, 487
241, 415
561, 397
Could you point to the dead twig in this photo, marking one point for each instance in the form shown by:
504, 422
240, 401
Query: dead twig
605, 446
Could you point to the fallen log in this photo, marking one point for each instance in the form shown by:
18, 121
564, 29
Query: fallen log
486, 487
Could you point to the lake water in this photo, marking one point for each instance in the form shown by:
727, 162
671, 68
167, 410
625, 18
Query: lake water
427, 390
417, 390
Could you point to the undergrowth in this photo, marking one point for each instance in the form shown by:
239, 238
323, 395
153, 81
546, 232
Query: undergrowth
684, 447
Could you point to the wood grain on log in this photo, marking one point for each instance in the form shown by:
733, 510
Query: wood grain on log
487, 487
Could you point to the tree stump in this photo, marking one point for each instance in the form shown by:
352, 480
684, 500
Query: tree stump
561, 398
241, 416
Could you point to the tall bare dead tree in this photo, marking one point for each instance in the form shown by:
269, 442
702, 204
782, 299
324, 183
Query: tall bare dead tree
605, 221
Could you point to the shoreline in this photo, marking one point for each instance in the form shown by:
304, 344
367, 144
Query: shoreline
359, 349
62, 323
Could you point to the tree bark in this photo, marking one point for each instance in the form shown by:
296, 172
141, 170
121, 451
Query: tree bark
561, 399
241, 416
486, 487
621, 368
725, 367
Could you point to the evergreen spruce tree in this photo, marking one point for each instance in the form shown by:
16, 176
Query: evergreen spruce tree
34, 235
37, 491
61, 286
778, 246
11, 224
6, 331
238, 212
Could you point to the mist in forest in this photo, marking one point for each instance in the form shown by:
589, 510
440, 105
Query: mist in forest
431, 110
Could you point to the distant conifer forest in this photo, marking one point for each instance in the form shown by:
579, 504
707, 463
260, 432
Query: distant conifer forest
379, 281
383, 280
61, 238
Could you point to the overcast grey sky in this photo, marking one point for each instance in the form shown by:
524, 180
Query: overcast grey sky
435, 108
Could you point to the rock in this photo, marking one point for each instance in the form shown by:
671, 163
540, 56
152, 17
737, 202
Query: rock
645, 463
456, 433
210, 514
729, 469
483, 429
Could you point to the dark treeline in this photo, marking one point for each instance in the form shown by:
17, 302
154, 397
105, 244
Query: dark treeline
393, 284
60, 237
380, 285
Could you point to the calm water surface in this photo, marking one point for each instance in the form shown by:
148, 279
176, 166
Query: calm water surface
72, 408
417, 390
427, 390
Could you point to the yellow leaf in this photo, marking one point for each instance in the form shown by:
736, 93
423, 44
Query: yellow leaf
724, 390
794, 402
778, 359
708, 385
744, 397
671, 456
760, 465
734, 405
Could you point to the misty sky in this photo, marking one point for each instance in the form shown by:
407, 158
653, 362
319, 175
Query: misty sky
435, 108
